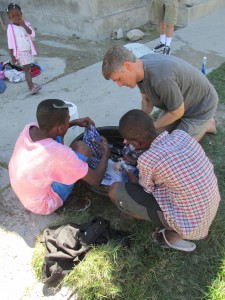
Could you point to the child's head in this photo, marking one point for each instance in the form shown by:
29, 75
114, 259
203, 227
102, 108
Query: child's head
14, 12
137, 128
52, 113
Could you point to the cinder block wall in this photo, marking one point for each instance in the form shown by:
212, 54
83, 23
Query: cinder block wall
96, 19
89, 19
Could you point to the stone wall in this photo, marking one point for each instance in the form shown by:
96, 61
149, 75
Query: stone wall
96, 19
89, 19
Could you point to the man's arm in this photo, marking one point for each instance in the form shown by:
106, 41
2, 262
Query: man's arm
146, 105
170, 117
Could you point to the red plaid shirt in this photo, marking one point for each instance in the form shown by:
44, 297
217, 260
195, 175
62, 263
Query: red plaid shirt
178, 173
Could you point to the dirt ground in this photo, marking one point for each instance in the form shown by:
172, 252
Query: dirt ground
78, 53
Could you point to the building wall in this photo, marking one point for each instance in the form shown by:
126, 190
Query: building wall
96, 19
89, 19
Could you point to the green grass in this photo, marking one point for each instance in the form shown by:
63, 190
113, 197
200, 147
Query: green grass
38, 258
96, 276
146, 271
217, 78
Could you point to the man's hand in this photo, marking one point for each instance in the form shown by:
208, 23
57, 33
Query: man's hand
83, 122
170, 117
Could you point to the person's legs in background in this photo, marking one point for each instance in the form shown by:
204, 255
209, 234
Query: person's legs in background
170, 19
25, 60
166, 12
158, 11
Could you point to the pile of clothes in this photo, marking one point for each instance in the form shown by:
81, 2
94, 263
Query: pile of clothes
122, 160
66, 245
14, 73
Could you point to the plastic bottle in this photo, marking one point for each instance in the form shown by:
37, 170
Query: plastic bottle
204, 60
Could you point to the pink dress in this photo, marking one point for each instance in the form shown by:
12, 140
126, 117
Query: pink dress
12, 43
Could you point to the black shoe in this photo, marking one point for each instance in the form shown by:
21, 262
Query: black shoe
166, 50
159, 47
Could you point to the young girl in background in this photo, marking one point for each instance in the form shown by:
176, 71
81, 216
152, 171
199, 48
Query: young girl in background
20, 44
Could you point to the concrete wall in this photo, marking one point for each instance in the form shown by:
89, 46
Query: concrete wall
96, 19
89, 19
192, 10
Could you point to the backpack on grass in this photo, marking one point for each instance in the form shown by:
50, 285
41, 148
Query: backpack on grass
67, 245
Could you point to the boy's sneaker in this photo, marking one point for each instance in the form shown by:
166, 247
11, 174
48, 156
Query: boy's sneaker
166, 50
159, 47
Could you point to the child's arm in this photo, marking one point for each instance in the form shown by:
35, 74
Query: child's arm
13, 59
10, 44
27, 27
82, 122
22, 24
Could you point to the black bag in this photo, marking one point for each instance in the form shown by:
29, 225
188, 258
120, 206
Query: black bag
66, 245
10, 66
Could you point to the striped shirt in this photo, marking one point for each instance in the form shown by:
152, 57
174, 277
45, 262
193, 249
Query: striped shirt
178, 173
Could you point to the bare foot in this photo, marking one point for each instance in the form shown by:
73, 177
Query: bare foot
172, 236
211, 126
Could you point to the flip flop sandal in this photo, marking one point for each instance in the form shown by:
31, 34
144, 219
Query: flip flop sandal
73, 204
88, 203
159, 240
181, 245
35, 89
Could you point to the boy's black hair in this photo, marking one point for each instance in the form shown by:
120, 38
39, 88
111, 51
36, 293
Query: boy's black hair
12, 6
50, 114
137, 125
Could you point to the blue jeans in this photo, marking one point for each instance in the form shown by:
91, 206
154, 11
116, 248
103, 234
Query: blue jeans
64, 190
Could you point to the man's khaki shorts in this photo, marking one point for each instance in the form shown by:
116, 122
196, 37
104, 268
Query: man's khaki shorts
192, 126
165, 11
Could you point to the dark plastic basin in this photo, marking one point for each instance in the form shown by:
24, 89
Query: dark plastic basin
111, 133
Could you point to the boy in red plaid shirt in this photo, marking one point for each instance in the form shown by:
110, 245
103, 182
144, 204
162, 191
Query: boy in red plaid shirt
177, 189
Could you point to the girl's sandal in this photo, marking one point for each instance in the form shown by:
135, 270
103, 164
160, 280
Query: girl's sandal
35, 89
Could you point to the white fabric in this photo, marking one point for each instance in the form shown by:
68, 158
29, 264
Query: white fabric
14, 75
22, 38
138, 49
